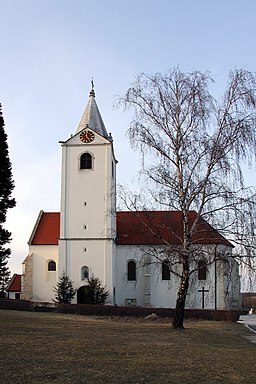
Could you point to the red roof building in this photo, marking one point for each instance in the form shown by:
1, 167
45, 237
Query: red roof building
135, 228
135, 257
14, 287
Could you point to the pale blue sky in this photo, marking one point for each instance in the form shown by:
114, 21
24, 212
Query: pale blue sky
50, 49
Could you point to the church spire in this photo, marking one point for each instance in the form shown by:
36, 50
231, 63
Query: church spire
92, 117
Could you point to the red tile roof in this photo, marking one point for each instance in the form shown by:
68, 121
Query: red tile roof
48, 229
162, 227
138, 228
15, 284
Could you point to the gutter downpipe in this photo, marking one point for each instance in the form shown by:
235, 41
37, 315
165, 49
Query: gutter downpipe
215, 278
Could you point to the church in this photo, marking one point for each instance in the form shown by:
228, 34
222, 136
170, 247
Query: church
124, 249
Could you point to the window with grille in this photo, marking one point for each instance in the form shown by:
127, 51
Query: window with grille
86, 161
51, 266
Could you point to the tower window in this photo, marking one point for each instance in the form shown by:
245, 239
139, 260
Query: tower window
165, 270
51, 266
86, 161
131, 270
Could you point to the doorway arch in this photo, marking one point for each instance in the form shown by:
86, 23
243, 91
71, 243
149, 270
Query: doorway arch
82, 295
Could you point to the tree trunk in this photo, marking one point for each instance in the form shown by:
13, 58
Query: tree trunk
181, 300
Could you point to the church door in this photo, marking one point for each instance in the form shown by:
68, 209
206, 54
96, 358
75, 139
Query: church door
82, 295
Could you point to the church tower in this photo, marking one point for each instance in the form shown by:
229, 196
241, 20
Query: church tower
88, 217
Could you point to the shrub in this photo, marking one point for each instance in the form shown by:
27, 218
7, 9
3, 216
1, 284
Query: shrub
93, 292
64, 290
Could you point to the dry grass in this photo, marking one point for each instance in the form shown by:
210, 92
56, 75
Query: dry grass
56, 348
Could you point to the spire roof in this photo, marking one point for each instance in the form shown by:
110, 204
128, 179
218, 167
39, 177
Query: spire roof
92, 118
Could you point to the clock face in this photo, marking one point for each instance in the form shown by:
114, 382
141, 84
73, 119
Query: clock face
86, 136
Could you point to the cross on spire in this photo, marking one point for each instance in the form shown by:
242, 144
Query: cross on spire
92, 93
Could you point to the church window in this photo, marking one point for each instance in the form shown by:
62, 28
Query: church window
84, 273
202, 269
51, 266
166, 274
86, 161
131, 266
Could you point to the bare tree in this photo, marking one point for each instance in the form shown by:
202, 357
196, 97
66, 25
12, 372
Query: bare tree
197, 147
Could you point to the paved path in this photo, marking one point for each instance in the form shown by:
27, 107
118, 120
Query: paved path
250, 322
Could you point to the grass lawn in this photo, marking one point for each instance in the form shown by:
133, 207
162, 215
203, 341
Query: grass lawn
57, 348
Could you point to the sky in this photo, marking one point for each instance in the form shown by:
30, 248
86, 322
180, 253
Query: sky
51, 49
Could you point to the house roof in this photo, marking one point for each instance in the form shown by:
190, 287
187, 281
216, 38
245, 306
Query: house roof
135, 228
15, 284
92, 118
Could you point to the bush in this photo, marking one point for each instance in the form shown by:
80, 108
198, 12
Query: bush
18, 305
92, 293
64, 290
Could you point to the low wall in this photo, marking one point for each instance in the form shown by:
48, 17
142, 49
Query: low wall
249, 300
109, 310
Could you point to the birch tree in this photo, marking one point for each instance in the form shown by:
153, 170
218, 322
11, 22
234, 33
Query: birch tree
200, 147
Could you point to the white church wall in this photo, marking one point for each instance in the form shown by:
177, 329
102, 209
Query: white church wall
235, 283
149, 289
201, 293
84, 205
208, 293
96, 255
43, 280
109, 269
163, 292
229, 285
126, 291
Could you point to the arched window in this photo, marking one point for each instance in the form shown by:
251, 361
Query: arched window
166, 274
202, 270
131, 266
86, 161
84, 273
51, 266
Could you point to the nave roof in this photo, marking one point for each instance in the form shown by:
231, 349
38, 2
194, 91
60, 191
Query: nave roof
135, 228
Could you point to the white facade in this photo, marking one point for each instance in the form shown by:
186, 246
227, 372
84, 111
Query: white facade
220, 289
86, 244
87, 221
36, 275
